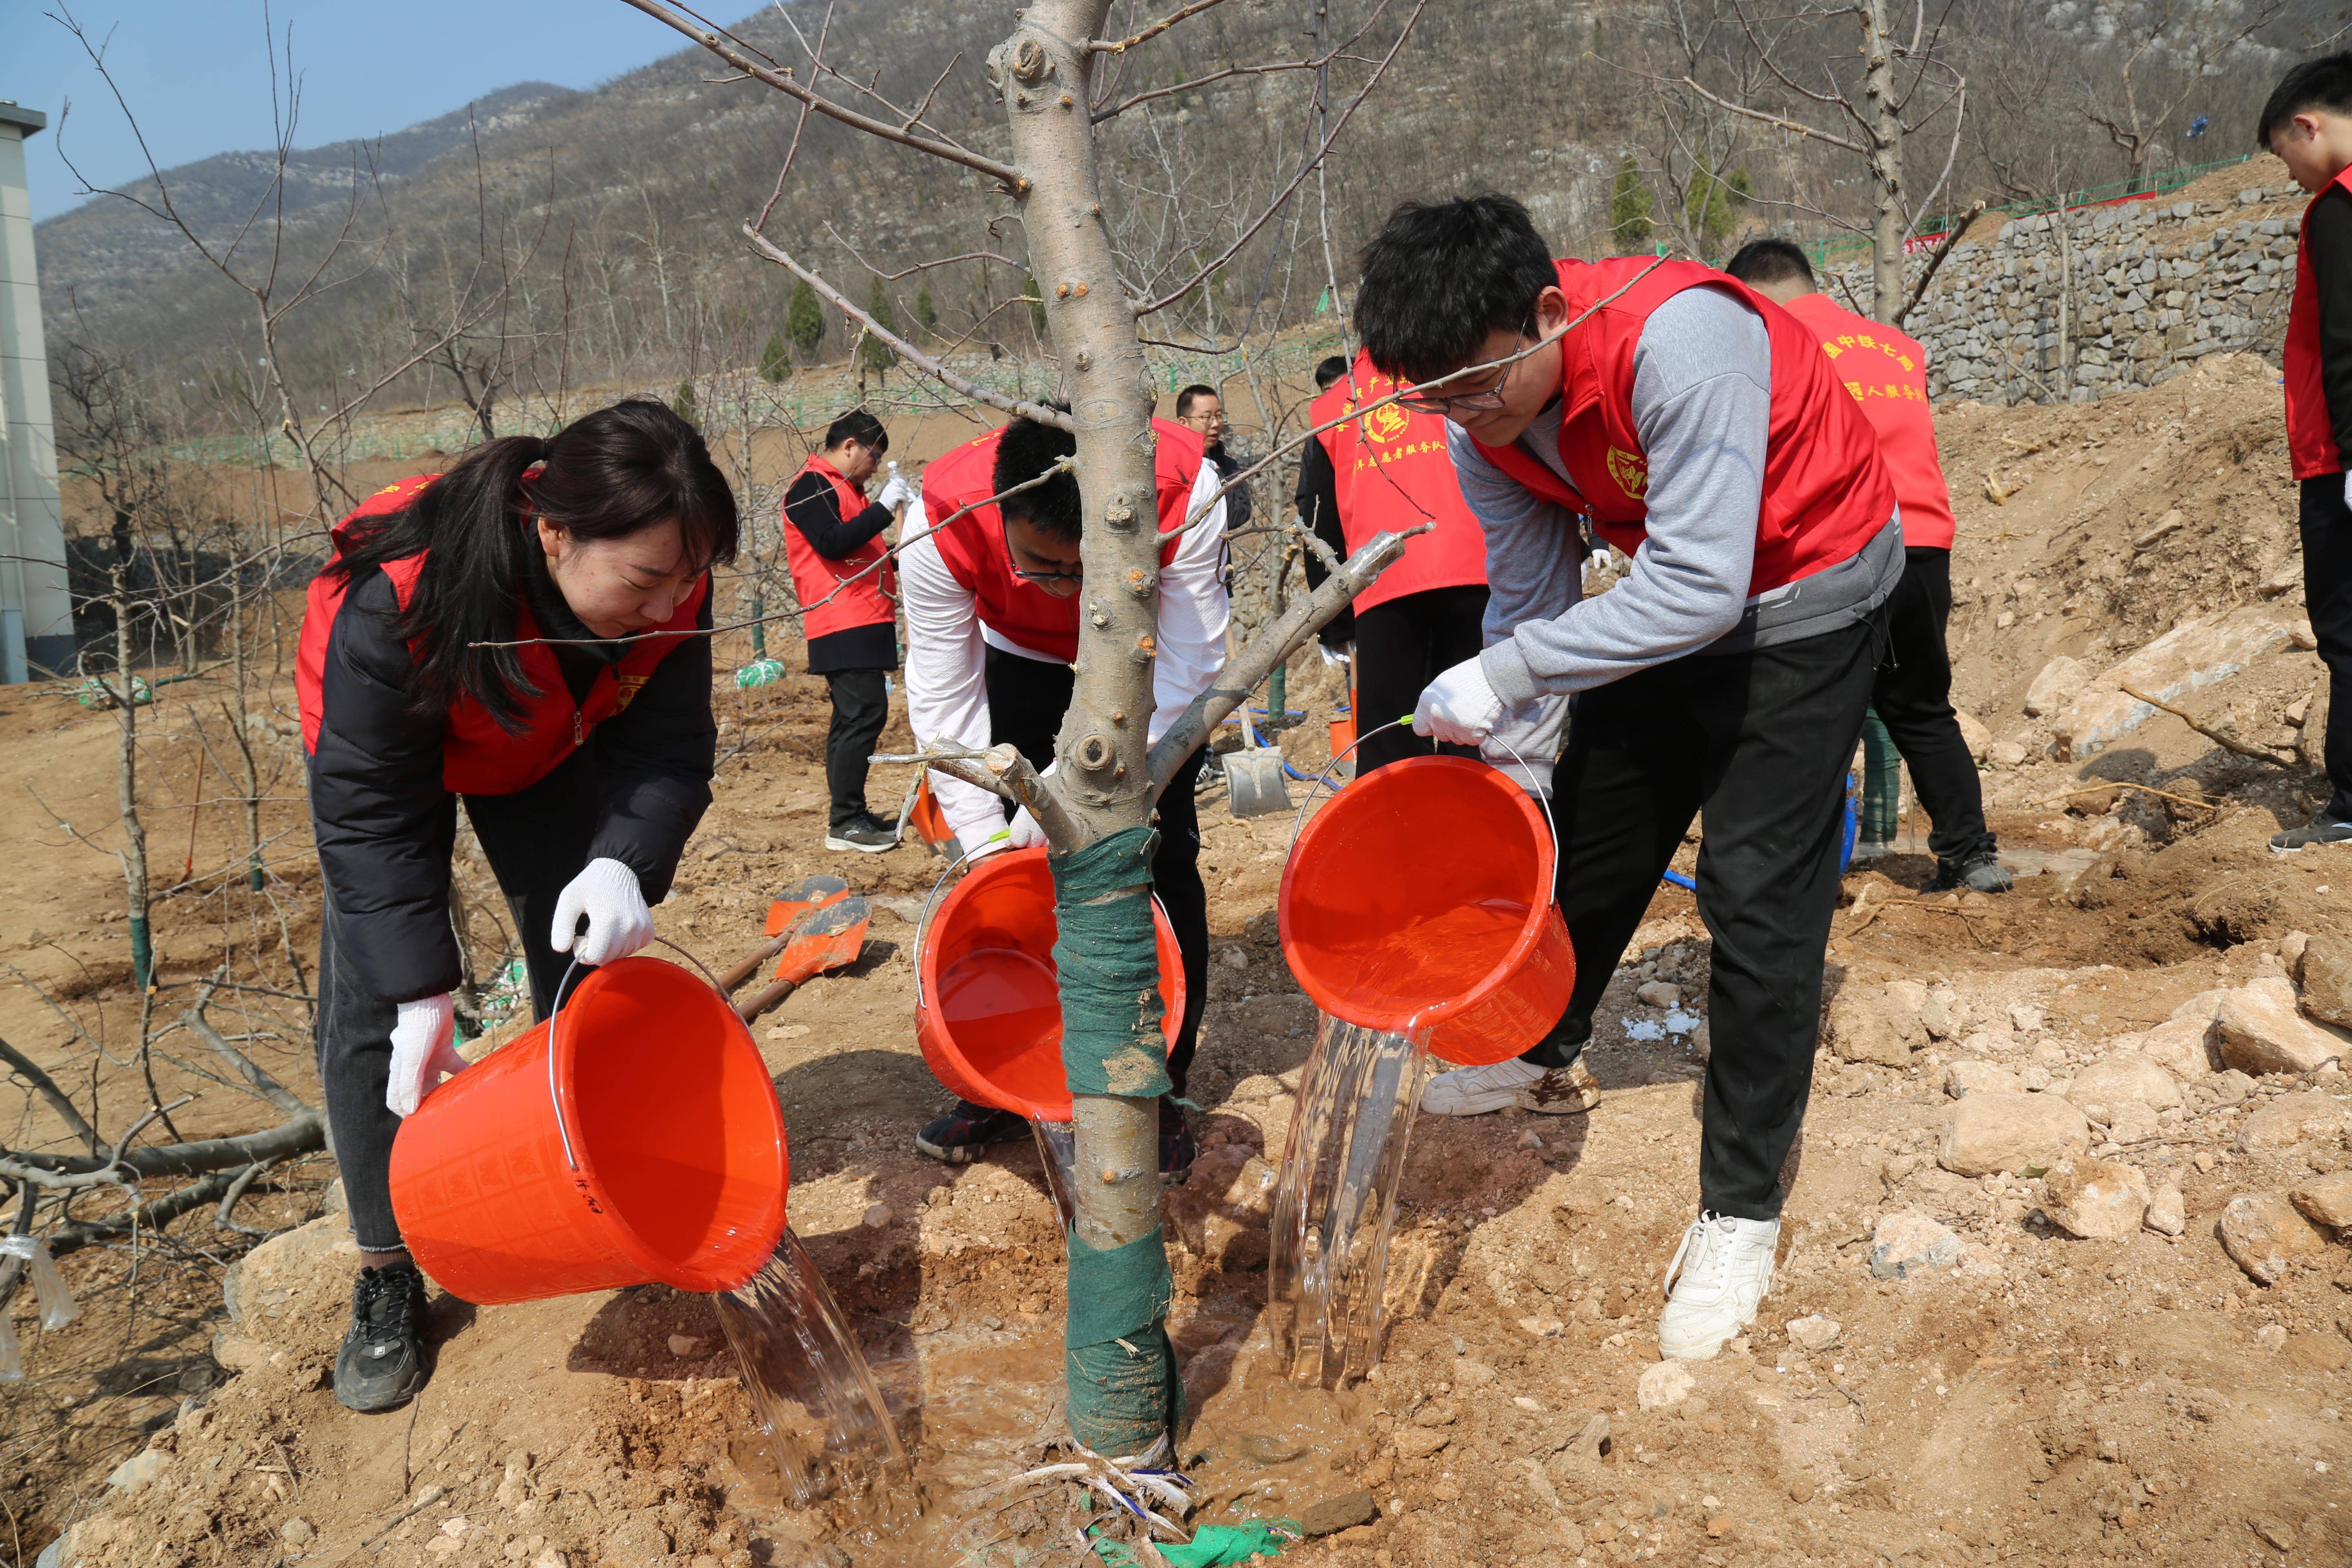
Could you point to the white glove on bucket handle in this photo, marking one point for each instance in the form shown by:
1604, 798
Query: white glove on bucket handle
618, 922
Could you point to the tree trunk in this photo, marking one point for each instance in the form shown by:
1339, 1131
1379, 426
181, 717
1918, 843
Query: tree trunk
1044, 72
1886, 164
134, 832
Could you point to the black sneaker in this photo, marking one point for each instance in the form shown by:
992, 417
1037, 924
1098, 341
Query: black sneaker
382, 1363
964, 1133
865, 835
1982, 874
2321, 830
882, 823
1177, 1149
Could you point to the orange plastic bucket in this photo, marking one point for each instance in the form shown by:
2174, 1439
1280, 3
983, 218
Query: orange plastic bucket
988, 1010
1343, 736
1420, 895
637, 1139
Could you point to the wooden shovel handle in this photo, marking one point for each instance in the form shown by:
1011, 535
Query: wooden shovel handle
766, 999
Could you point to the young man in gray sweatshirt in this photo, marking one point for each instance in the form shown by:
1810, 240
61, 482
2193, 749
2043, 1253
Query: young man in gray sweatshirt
1699, 429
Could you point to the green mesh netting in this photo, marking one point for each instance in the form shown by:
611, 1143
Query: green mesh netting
1109, 967
1119, 1367
1881, 787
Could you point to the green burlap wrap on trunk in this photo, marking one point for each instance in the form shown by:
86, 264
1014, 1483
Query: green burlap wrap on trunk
1108, 961
1882, 787
1120, 1369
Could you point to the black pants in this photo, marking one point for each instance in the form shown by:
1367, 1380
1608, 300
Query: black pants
1026, 700
2328, 595
537, 841
861, 706
1912, 695
1402, 646
1757, 744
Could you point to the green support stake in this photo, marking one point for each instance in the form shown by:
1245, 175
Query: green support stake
142, 953
1882, 788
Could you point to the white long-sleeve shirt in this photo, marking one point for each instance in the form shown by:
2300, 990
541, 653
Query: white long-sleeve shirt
947, 686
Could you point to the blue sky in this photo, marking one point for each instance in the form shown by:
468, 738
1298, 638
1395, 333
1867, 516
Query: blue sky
196, 72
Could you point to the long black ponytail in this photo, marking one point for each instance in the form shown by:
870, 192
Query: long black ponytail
603, 477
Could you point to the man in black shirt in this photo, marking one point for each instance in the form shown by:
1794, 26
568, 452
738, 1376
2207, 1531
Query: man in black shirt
849, 609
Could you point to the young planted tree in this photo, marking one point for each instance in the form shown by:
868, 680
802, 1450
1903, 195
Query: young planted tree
805, 322
1056, 78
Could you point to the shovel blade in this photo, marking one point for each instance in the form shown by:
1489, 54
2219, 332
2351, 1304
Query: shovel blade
830, 938
808, 893
1254, 784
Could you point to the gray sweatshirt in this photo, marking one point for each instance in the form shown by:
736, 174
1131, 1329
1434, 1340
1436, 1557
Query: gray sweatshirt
1702, 404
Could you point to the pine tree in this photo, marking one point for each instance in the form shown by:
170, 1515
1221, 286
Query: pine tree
1036, 299
1629, 209
873, 353
804, 321
925, 312
682, 403
776, 358
1714, 206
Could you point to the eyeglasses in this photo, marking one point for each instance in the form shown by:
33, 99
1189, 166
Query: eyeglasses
1449, 405
1040, 578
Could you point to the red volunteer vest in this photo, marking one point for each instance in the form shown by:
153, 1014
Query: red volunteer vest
1390, 470
2310, 434
1826, 493
1887, 373
480, 756
977, 556
870, 600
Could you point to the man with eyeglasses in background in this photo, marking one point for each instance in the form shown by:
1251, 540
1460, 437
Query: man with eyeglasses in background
1697, 427
991, 601
1202, 410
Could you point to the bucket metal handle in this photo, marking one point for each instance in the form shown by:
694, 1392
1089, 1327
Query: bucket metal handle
1543, 797
923, 924
556, 1021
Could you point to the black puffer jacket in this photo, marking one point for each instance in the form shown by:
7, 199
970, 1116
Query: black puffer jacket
386, 826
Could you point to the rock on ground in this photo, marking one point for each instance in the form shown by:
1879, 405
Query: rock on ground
2268, 1238
2194, 654
2007, 1132
1814, 1332
1666, 1384
1908, 1243
2260, 1032
2187, 1048
1870, 1024
2168, 1211
1964, 1078
2325, 1200
2293, 1119
2326, 973
2056, 686
2096, 1199
2117, 1078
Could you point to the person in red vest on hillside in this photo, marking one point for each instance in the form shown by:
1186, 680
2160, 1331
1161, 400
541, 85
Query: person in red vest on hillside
1698, 428
584, 763
2308, 124
992, 599
1887, 373
1389, 471
849, 600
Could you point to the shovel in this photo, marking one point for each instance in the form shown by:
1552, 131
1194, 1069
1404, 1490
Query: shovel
783, 914
922, 817
826, 938
1254, 784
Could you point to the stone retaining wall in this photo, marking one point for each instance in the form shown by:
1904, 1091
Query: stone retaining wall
2155, 286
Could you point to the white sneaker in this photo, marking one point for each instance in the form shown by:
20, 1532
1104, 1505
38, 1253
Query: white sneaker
1720, 1274
1474, 1092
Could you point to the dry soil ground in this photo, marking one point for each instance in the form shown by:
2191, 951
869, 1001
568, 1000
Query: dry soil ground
2024, 1394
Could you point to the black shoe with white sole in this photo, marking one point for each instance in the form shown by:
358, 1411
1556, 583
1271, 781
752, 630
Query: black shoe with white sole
865, 836
964, 1133
2321, 830
1983, 874
382, 1363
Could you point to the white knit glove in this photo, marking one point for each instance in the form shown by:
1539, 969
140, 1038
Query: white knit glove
896, 491
978, 843
1339, 656
421, 1052
618, 922
1026, 834
1458, 706
2348, 489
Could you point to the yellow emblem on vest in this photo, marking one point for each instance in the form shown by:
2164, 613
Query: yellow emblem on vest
1631, 472
630, 685
1387, 423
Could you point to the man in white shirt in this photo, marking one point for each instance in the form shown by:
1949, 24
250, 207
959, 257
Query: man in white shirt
992, 602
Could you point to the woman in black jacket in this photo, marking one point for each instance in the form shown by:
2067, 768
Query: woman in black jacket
584, 763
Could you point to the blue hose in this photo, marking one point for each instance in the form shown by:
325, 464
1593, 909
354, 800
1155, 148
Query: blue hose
1845, 846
